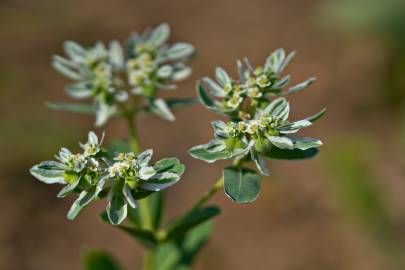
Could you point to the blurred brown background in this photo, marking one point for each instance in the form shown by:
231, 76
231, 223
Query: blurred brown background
343, 210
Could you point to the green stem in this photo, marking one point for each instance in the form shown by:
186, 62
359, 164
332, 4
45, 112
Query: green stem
203, 200
208, 195
133, 135
143, 206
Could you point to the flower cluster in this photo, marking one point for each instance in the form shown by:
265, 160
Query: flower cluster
258, 128
126, 178
240, 98
258, 136
110, 76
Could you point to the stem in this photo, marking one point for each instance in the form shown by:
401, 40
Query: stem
133, 135
143, 206
208, 195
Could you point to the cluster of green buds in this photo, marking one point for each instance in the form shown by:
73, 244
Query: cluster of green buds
111, 75
259, 128
240, 98
92, 174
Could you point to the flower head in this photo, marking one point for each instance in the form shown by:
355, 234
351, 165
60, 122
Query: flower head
126, 177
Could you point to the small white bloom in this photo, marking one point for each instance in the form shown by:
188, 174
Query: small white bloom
262, 81
254, 92
234, 101
136, 77
253, 126
118, 168
93, 164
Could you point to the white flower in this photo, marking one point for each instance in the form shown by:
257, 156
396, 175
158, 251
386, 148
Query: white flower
136, 77
118, 169
254, 92
253, 126
234, 101
262, 81
92, 164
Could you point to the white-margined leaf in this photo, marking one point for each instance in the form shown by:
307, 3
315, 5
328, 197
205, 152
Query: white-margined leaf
80, 90
179, 51
159, 184
164, 72
103, 112
68, 189
205, 99
301, 86
181, 74
128, 196
281, 83
304, 143
159, 35
211, 152
146, 172
144, 157
281, 142
286, 61
316, 116
75, 51
213, 87
160, 108
259, 162
117, 207
294, 126
48, 174
71, 107
116, 55
243, 73
222, 76
219, 128
66, 68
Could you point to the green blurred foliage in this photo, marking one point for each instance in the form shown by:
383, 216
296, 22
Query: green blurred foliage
349, 162
383, 20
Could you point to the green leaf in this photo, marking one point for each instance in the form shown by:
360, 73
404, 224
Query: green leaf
99, 260
48, 174
160, 35
160, 108
167, 256
210, 152
295, 154
259, 162
179, 254
117, 205
116, 55
145, 237
82, 201
194, 241
75, 108
205, 99
242, 185
222, 76
180, 102
305, 143
213, 87
156, 207
66, 68
301, 86
316, 116
179, 51
80, 90
181, 226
